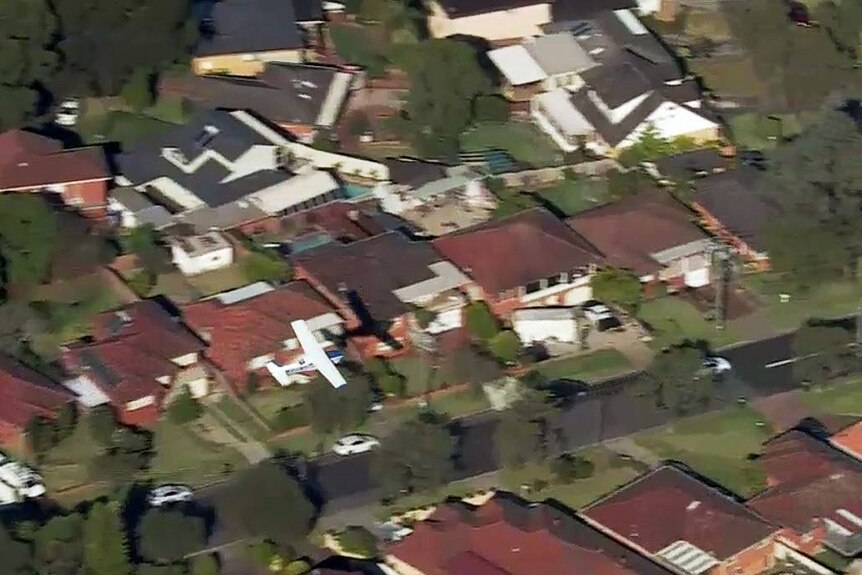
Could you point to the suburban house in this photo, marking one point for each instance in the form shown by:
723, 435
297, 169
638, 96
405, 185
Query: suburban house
137, 357
238, 37
732, 210
79, 177
494, 20
129, 209
303, 99
197, 254
380, 281
246, 328
690, 526
224, 170
530, 259
435, 197
652, 235
507, 535
812, 494
539, 324
26, 395
631, 85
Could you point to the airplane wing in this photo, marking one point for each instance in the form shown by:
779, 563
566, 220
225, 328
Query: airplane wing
314, 353
278, 372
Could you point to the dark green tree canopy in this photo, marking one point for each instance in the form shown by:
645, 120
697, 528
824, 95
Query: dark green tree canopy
168, 535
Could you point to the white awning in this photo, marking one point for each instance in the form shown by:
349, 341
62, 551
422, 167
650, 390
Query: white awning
516, 64
558, 108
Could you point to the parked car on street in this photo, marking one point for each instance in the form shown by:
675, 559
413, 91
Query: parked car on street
717, 365
169, 494
600, 315
67, 113
355, 443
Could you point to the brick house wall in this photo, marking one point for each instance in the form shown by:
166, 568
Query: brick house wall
503, 305
86, 196
12, 437
271, 225
752, 561
740, 247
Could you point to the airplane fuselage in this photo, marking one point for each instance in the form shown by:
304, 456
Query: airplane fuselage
303, 365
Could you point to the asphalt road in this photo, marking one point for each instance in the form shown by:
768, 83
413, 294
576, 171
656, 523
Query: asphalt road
759, 369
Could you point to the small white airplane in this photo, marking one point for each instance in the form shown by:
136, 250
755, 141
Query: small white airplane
314, 358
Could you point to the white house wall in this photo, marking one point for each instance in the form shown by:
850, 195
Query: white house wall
670, 120
530, 331
501, 25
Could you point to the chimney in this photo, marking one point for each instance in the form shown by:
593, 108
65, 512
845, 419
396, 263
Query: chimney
353, 215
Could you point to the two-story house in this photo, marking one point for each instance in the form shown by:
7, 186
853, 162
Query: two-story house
651, 235
248, 327
137, 356
380, 281
530, 259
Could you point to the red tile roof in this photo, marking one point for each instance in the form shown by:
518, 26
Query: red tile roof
849, 440
507, 536
130, 348
26, 394
341, 220
668, 505
28, 160
808, 480
504, 254
241, 331
630, 230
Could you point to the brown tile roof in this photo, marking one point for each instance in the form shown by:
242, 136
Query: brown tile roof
130, 348
372, 269
668, 505
849, 440
238, 332
507, 536
808, 480
25, 394
28, 160
630, 230
342, 220
505, 254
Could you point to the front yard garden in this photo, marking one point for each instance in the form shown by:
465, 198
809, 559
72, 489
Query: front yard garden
598, 364
522, 140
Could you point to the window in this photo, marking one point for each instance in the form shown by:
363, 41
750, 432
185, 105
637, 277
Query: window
533, 287
249, 57
554, 280
291, 343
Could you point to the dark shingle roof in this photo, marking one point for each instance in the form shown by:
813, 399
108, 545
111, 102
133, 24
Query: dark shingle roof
612, 133
616, 83
144, 162
247, 26
462, 8
731, 198
567, 10
413, 172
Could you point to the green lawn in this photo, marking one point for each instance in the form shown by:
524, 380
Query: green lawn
831, 300
729, 77
268, 402
459, 403
417, 371
715, 445
570, 197
218, 281
610, 473
671, 320
597, 364
66, 466
524, 142
840, 397
119, 126
184, 457
239, 417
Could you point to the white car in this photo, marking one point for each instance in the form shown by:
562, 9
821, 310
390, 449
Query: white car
167, 494
67, 113
716, 364
355, 443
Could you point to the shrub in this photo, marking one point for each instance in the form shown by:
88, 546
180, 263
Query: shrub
297, 567
567, 468
102, 424
205, 565
138, 92
262, 552
142, 282
392, 384
184, 409
491, 108
358, 541
505, 346
481, 322
290, 417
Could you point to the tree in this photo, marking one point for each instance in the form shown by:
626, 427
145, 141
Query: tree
185, 408
617, 286
40, 435
331, 410
415, 457
491, 108
16, 555
102, 423
568, 468
58, 546
628, 183
264, 501
521, 435
205, 565
143, 241
105, 42
480, 321
680, 383
105, 547
168, 535
27, 30
817, 181
446, 78
822, 350
128, 453
28, 239
358, 541
138, 92
66, 422
263, 267
505, 346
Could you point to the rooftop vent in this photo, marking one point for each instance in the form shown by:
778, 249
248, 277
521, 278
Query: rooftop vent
692, 506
